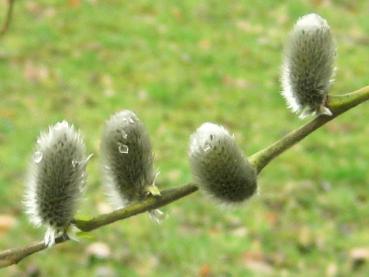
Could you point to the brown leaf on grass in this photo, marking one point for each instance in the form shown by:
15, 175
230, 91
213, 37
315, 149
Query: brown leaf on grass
174, 175
40, 10
108, 85
317, 2
35, 73
6, 223
74, 3
205, 271
358, 257
98, 250
176, 13
331, 270
272, 218
239, 232
305, 239
257, 262
204, 44
104, 271
148, 265
340, 128
7, 113
236, 82
249, 27
33, 7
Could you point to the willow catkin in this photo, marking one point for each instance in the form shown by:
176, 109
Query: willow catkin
127, 158
56, 179
219, 165
308, 66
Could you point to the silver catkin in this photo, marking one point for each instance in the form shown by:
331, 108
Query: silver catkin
219, 166
127, 158
56, 179
308, 66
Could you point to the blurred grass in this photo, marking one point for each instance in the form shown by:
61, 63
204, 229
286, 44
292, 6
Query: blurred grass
178, 64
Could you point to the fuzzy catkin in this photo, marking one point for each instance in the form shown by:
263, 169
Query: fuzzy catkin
308, 66
219, 165
127, 158
56, 179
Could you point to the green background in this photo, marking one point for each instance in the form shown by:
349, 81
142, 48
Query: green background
178, 64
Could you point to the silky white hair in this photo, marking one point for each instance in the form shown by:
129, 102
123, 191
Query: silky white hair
308, 66
127, 158
56, 178
219, 166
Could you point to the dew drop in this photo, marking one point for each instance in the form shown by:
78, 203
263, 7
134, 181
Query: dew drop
124, 134
129, 120
37, 157
207, 147
61, 125
75, 163
122, 148
157, 216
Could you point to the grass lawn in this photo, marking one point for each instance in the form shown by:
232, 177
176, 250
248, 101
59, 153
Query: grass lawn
178, 64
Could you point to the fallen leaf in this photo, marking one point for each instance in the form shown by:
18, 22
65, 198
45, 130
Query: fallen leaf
74, 3
104, 271
358, 256
236, 82
205, 271
35, 73
257, 262
6, 223
331, 270
204, 44
174, 175
99, 250
239, 232
249, 27
272, 218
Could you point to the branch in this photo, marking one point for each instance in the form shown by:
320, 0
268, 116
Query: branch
8, 18
337, 104
15, 255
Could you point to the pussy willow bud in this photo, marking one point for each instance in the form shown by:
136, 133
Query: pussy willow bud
127, 159
219, 165
56, 179
308, 66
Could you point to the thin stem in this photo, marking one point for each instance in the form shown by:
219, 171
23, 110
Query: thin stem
15, 255
8, 18
337, 104
150, 203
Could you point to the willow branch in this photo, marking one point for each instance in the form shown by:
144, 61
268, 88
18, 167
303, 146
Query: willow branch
337, 104
15, 255
8, 18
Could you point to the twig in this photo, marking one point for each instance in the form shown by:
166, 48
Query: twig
15, 255
8, 18
337, 104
